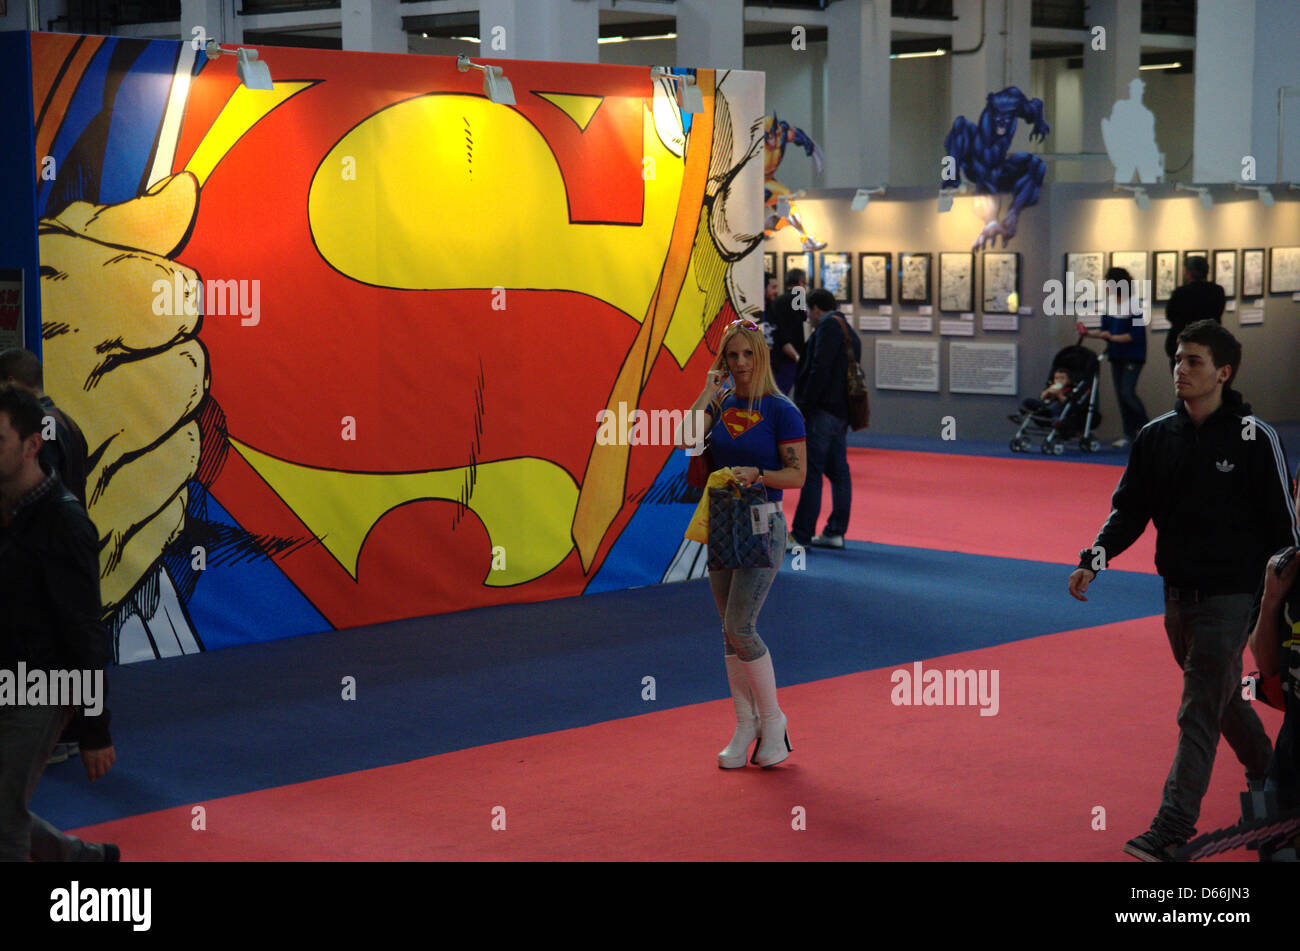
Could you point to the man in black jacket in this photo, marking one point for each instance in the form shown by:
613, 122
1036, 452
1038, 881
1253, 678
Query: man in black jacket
51, 629
1214, 481
66, 453
1197, 299
821, 392
786, 314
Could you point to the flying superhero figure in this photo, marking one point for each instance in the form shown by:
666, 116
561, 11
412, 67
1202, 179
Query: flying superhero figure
980, 152
776, 133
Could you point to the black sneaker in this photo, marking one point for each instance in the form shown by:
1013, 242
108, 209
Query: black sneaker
1154, 846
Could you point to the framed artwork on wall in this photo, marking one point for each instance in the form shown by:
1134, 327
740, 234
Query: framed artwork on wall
836, 275
1135, 262
956, 282
1166, 277
769, 264
1252, 272
1001, 279
798, 259
914, 277
874, 274
1081, 269
1223, 271
1284, 271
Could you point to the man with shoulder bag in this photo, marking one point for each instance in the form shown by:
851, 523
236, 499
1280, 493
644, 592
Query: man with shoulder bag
823, 394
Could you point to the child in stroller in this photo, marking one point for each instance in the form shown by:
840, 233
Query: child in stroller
1067, 408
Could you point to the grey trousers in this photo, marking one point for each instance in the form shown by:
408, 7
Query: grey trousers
27, 737
1207, 638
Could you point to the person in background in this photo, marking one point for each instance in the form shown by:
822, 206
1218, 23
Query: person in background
49, 586
1126, 349
821, 392
65, 454
787, 314
1197, 299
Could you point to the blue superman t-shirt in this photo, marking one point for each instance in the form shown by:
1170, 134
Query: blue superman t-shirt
744, 437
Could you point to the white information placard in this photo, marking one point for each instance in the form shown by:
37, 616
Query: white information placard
1001, 322
907, 365
876, 322
1159, 321
988, 368
915, 324
1250, 315
957, 328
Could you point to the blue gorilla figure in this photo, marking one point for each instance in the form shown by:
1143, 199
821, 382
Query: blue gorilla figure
980, 152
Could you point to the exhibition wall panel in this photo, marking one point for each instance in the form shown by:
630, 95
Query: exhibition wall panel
1068, 218
340, 347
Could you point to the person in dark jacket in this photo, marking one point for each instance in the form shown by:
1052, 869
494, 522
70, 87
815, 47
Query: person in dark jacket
786, 314
49, 588
822, 395
1275, 621
1197, 299
66, 452
1126, 349
1214, 481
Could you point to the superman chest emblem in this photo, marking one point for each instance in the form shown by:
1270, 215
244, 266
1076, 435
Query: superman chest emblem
740, 421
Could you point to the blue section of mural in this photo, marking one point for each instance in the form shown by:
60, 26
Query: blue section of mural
658, 525
235, 595
18, 247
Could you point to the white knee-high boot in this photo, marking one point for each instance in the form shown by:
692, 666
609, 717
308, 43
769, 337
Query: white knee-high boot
775, 744
736, 752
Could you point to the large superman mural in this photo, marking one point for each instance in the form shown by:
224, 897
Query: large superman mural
417, 302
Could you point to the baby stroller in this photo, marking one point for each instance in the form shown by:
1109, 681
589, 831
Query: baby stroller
1076, 419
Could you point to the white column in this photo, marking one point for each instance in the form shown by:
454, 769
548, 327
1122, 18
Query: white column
1276, 68
857, 100
554, 30
711, 33
1108, 72
999, 54
373, 26
1225, 70
208, 15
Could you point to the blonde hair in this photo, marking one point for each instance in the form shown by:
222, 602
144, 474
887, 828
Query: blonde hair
762, 375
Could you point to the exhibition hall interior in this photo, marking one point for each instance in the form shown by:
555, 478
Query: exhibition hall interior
386, 325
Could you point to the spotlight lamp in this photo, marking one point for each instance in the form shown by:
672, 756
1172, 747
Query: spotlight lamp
253, 73
863, 196
1262, 192
495, 85
1207, 200
1139, 195
689, 96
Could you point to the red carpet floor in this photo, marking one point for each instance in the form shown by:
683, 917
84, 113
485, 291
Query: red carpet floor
1036, 509
1086, 720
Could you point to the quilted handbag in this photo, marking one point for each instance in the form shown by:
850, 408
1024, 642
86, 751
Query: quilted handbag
733, 543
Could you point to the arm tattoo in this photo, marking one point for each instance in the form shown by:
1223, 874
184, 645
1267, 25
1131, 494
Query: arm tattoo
791, 458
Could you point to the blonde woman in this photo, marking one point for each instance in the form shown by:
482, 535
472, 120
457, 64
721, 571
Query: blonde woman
759, 434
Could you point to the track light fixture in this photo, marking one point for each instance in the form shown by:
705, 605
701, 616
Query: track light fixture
253, 73
1262, 192
863, 196
495, 85
1139, 195
1207, 200
689, 96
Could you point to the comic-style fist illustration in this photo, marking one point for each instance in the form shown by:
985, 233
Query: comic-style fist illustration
113, 351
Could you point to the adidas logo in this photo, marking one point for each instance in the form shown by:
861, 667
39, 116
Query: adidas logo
1224, 466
